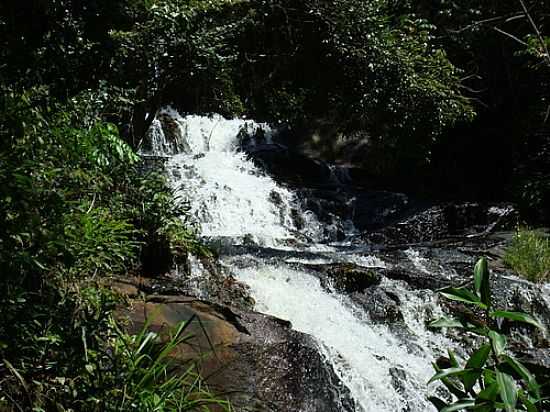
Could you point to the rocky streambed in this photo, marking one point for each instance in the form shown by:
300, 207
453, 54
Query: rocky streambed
321, 291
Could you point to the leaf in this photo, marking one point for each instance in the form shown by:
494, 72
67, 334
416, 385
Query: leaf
524, 373
481, 280
479, 357
498, 342
484, 406
445, 373
462, 295
469, 379
489, 377
445, 322
530, 406
518, 317
489, 393
460, 405
452, 358
476, 362
508, 390
451, 386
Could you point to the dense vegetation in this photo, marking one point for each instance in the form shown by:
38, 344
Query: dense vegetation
75, 210
503, 48
81, 81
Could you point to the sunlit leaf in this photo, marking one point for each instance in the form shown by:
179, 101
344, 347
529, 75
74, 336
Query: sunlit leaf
498, 342
462, 295
518, 317
524, 373
445, 373
508, 391
481, 280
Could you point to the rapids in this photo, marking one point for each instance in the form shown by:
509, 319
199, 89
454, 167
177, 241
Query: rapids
235, 202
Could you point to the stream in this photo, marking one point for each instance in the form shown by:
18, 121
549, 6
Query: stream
268, 239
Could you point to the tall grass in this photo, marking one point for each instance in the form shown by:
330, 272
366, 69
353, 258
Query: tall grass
123, 373
529, 255
154, 381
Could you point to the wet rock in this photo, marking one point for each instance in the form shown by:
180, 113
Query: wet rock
363, 286
398, 376
347, 277
446, 221
201, 278
275, 198
375, 209
380, 305
288, 165
257, 361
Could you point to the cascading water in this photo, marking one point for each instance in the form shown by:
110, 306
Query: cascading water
233, 199
229, 196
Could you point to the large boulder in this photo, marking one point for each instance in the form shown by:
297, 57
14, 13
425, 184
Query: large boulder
256, 361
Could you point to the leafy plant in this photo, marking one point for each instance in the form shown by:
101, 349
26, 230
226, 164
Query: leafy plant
529, 255
491, 379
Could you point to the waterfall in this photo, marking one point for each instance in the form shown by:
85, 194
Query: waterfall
229, 196
232, 199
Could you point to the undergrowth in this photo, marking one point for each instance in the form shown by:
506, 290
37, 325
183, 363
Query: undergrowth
76, 208
492, 379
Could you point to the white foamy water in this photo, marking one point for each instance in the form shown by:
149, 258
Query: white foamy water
230, 197
382, 371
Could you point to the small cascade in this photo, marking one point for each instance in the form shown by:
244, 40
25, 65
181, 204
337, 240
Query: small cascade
235, 202
229, 196
384, 372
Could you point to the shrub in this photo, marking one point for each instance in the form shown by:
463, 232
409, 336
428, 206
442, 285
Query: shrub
529, 255
367, 68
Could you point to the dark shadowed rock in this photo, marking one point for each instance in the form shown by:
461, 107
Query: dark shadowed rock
382, 306
453, 220
346, 277
288, 165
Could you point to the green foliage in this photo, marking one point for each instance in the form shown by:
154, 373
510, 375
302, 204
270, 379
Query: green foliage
57, 174
529, 255
491, 379
179, 47
75, 208
362, 67
77, 357
150, 380
45, 338
97, 242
